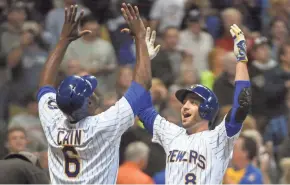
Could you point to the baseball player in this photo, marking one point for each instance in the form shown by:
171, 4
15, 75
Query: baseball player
83, 146
195, 154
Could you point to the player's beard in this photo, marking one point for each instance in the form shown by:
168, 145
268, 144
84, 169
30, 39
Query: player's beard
192, 129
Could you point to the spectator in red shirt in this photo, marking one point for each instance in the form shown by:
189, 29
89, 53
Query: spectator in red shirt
136, 159
229, 16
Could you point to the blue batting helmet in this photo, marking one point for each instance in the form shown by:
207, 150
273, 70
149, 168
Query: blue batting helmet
208, 109
73, 92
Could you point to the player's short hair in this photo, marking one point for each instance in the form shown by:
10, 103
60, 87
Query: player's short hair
136, 151
250, 146
88, 18
14, 129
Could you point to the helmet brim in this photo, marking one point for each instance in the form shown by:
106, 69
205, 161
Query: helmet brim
181, 94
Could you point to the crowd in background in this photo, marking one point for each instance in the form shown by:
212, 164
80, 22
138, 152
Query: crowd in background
196, 47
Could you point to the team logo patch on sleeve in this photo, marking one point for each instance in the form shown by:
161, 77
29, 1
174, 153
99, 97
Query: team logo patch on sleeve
51, 103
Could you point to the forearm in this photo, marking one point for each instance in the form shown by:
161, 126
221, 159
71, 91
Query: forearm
142, 72
240, 108
14, 57
242, 73
52, 64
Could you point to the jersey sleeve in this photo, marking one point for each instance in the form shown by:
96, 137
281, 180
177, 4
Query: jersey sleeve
118, 118
224, 135
49, 113
164, 132
221, 143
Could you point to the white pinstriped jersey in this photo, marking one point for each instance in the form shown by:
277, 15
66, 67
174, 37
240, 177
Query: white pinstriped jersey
200, 158
86, 152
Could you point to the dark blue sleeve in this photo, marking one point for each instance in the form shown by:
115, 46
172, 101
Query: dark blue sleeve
137, 97
148, 116
238, 113
43, 90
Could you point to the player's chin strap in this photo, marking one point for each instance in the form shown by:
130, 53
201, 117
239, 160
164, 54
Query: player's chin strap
79, 114
241, 107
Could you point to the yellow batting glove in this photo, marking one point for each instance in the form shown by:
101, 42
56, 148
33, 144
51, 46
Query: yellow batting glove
240, 48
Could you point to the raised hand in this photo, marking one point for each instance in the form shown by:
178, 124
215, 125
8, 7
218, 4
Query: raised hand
134, 21
150, 40
240, 48
70, 30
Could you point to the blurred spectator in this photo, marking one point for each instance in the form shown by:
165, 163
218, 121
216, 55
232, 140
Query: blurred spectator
30, 122
229, 16
100, 9
264, 160
16, 140
242, 170
110, 98
261, 64
196, 42
285, 166
124, 79
284, 149
215, 65
10, 33
73, 67
278, 35
97, 56
159, 94
32, 13
280, 9
3, 6
26, 61
123, 43
252, 12
172, 116
224, 85
22, 168
221, 4
166, 13
136, 159
249, 123
172, 110
276, 90
55, 20
189, 6
188, 77
166, 65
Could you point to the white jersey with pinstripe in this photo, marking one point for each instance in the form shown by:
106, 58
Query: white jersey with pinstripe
86, 152
200, 158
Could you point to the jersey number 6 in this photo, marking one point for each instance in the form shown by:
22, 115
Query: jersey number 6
71, 159
190, 178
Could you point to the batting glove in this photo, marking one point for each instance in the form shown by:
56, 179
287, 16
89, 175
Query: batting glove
150, 40
240, 48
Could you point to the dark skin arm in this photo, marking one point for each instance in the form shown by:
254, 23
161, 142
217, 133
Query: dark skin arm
142, 71
70, 32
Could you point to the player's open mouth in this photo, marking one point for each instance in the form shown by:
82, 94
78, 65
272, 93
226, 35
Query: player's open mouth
186, 115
